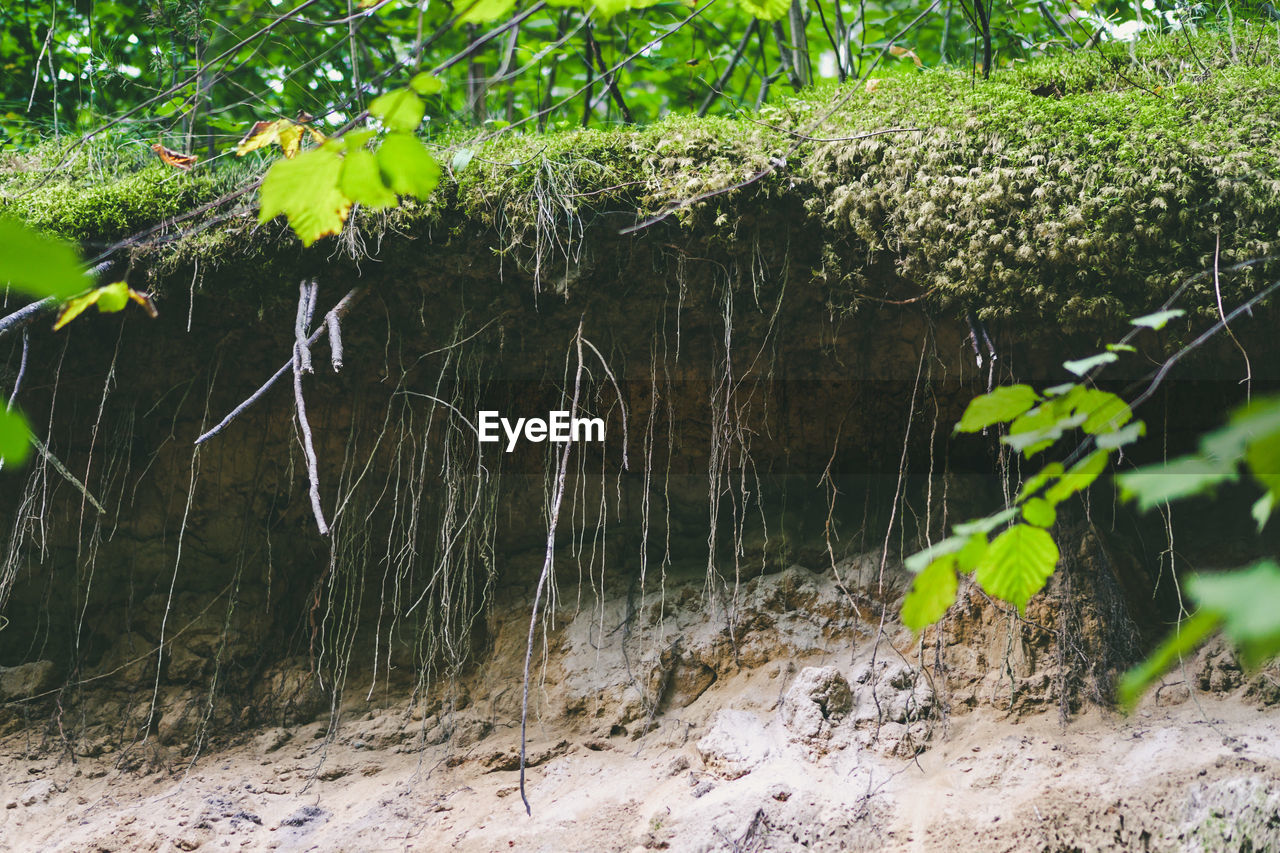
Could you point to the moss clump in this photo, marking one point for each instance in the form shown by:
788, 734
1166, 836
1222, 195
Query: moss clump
105, 190
108, 211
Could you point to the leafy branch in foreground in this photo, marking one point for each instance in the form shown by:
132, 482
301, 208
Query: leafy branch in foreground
1018, 562
316, 189
1244, 603
40, 267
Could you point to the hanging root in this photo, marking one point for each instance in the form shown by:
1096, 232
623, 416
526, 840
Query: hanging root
562, 467
339, 311
301, 365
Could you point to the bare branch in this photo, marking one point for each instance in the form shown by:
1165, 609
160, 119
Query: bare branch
333, 322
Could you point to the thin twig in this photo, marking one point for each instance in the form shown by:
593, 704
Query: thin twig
57, 465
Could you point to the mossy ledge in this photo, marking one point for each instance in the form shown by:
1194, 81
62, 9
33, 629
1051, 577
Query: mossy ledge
1085, 187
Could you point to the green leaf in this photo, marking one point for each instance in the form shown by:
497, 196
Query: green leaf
1001, 405
1103, 411
1247, 425
1039, 512
15, 438
357, 139
1158, 319
1153, 485
988, 524
1039, 479
461, 159
407, 165
1261, 510
484, 11
768, 10
968, 557
306, 190
37, 265
1263, 458
1188, 635
1018, 564
1079, 478
1084, 365
1121, 437
113, 297
75, 307
426, 84
609, 8
918, 561
361, 181
1121, 348
932, 593
399, 109
1249, 601
1041, 427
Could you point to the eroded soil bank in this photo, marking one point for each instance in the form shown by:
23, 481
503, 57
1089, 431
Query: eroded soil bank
189, 663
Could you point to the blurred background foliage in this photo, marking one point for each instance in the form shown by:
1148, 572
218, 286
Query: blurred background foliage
196, 74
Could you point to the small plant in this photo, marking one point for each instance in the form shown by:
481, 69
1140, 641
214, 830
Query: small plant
1018, 562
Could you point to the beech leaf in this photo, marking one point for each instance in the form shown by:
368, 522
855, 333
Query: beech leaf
306, 190
362, 182
932, 593
399, 109
1018, 563
407, 165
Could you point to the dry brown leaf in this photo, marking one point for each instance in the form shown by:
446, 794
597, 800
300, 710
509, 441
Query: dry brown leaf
283, 132
290, 138
904, 53
175, 159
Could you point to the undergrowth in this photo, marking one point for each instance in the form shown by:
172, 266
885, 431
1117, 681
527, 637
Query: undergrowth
1088, 183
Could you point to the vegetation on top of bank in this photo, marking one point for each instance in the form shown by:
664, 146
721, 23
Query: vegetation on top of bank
1087, 184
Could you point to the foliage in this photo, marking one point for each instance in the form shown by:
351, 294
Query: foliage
43, 268
1245, 603
1016, 565
208, 64
109, 299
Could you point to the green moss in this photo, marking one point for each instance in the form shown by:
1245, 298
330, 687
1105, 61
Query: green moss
108, 211
1087, 185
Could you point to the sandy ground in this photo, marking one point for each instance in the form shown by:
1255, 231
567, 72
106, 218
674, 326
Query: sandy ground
1103, 782
810, 734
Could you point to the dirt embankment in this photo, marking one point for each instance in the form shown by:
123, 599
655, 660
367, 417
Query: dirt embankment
719, 666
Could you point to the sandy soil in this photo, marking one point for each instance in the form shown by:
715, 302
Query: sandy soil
813, 732
991, 784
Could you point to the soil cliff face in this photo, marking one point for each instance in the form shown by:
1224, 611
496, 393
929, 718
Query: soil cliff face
727, 562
